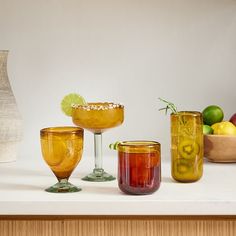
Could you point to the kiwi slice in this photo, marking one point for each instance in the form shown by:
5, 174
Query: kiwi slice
188, 148
182, 169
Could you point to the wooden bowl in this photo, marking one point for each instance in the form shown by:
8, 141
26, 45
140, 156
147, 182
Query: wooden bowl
220, 148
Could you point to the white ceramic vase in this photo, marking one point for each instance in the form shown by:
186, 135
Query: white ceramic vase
10, 119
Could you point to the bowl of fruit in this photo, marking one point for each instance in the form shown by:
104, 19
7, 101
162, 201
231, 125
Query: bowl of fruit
219, 135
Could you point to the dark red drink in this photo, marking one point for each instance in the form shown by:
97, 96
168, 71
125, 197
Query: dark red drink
139, 169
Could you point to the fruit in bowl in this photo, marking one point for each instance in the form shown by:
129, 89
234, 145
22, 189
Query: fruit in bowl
214, 124
212, 114
219, 135
233, 119
224, 128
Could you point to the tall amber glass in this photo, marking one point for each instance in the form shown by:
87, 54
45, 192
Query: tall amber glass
98, 118
62, 149
187, 146
139, 167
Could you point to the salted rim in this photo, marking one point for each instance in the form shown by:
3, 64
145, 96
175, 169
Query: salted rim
98, 106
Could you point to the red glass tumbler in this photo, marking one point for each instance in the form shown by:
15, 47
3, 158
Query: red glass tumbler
139, 167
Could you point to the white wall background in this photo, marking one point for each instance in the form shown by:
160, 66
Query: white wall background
129, 51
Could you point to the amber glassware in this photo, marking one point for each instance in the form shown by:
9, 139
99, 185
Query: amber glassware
186, 146
139, 167
62, 149
97, 118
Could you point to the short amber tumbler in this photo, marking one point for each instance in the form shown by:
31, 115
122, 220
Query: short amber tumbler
139, 167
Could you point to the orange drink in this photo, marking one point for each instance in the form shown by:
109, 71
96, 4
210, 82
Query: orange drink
62, 149
98, 117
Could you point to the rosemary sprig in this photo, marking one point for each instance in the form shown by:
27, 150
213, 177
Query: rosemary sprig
169, 106
182, 121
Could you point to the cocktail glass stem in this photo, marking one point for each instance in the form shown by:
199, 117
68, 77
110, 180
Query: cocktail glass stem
98, 151
98, 175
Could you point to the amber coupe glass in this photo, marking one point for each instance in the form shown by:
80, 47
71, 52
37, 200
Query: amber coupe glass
97, 118
62, 149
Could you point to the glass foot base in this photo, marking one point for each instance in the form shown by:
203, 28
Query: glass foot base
98, 175
63, 188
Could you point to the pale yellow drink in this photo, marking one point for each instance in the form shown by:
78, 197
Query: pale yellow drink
186, 146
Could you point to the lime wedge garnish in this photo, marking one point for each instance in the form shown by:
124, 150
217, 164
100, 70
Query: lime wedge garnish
114, 146
69, 100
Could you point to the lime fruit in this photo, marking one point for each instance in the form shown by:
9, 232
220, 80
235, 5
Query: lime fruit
207, 129
212, 114
69, 100
224, 128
